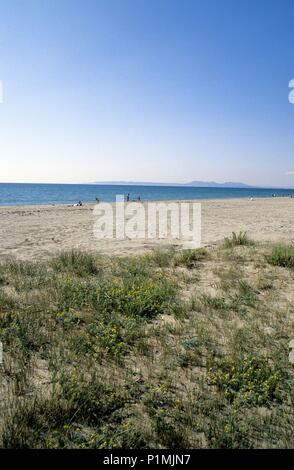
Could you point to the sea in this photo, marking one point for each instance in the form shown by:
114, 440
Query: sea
14, 194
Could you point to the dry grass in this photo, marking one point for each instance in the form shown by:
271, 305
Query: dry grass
174, 349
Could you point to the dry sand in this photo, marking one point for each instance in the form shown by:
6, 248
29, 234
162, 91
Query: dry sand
36, 232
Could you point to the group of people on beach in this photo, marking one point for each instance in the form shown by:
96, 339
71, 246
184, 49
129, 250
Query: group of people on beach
127, 199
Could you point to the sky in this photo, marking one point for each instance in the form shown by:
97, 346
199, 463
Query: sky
147, 90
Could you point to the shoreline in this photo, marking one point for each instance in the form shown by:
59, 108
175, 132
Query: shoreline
92, 203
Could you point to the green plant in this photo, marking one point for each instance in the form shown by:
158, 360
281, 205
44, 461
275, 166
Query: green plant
245, 296
137, 353
189, 352
214, 303
250, 381
282, 255
190, 257
162, 258
76, 262
240, 239
147, 298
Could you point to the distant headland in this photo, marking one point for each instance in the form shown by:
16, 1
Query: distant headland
199, 184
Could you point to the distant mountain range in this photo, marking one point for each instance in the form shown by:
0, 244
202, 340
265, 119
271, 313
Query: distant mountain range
198, 184
213, 184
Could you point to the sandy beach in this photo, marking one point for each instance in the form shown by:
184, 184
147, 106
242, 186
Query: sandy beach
36, 232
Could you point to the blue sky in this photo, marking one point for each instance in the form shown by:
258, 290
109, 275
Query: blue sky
147, 90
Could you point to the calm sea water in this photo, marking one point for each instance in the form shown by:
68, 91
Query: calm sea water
20, 193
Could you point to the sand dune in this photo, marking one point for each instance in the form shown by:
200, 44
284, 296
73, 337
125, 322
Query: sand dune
36, 232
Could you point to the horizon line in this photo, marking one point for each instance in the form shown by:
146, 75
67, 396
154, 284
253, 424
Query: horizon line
147, 183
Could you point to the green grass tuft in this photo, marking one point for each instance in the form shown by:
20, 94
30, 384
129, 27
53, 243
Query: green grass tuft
190, 257
282, 255
240, 239
76, 262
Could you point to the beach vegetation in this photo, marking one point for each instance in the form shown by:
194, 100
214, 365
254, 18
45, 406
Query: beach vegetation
171, 349
282, 255
237, 239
